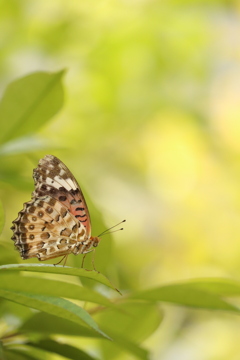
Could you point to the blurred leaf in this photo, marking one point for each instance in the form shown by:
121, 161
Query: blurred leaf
28, 103
2, 218
7, 253
26, 144
68, 351
131, 325
43, 323
121, 342
139, 319
2, 357
58, 269
14, 314
219, 286
51, 287
184, 294
11, 177
53, 305
18, 354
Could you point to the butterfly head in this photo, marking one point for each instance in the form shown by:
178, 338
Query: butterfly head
95, 241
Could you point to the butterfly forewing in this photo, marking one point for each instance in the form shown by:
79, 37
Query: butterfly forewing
53, 178
56, 221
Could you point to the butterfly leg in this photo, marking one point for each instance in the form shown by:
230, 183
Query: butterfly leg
65, 257
93, 264
85, 254
93, 259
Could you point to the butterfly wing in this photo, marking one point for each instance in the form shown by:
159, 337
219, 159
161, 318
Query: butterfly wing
56, 221
46, 229
53, 178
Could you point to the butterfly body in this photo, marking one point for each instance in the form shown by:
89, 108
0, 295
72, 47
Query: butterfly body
56, 221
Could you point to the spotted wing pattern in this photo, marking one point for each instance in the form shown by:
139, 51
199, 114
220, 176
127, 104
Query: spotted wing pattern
53, 178
56, 221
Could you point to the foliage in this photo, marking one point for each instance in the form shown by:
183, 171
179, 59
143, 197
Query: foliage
150, 129
136, 311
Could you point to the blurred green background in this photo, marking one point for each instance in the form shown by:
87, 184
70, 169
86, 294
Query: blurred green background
150, 128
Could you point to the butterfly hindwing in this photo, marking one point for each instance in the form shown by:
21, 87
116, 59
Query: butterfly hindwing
46, 229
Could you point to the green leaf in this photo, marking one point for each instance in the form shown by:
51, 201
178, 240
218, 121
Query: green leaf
1, 351
184, 294
19, 354
51, 287
2, 218
219, 286
53, 305
26, 144
68, 351
10, 177
28, 103
124, 344
43, 323
14, 313
140, 318
130, 324
58, 269
49, 324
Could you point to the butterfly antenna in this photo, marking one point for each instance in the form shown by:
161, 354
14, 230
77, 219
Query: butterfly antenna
110, 232
105, 232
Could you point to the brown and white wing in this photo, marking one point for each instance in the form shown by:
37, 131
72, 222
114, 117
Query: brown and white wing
46, 229
53, 178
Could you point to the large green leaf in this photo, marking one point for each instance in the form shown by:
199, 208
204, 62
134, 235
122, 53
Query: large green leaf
140, 318
219, 286
53, 305
18, 354
49, 287
185, 294
123, 343
123, 340
10, 310
70, 352
27, 144
128, 326
28, 103
58, 269
46, 324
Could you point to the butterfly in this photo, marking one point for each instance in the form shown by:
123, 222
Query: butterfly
56, 221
